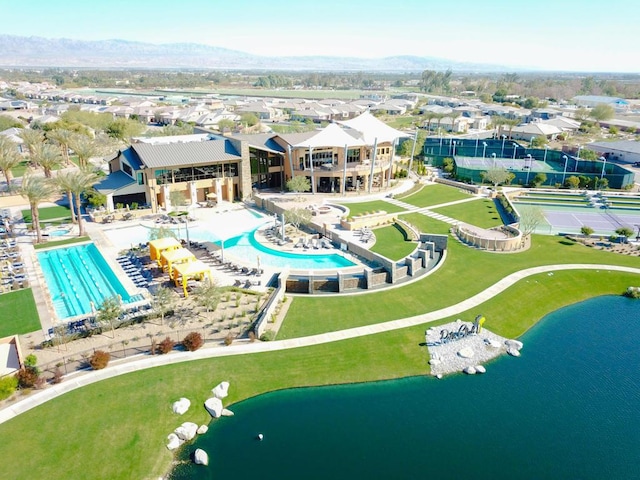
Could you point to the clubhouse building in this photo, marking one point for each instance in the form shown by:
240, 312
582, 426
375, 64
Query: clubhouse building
356, 154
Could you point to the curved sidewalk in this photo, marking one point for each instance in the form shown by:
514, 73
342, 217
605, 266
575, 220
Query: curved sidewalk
82, 379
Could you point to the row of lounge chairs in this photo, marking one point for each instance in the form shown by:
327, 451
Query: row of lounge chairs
135, 270
12, 269
365, 234
315, 243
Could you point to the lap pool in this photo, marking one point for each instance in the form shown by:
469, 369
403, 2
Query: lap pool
76, 277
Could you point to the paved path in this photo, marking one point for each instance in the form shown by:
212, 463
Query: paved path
81, 379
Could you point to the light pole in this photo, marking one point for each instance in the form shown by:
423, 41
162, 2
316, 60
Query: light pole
477, 138
531, 144
484, 149
566, 159
546, 148
604, 164
453, 144
515, 147
440, 150
494, 159
529, 167
578, 158
504, 137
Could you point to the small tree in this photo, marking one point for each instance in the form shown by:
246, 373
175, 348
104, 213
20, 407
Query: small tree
8, 386
162, 302
539, 179
298, 217
207, 295
625, 233
529, 221
28, 377
298, 184
586, 231
572, 182
602, 112
496, 176
99, 360
193, 341
109, 312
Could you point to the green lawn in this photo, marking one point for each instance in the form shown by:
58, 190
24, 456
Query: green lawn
466, 272
19, 313
59, 212
374, 206
434, 195
126, 419
61, 243
391, 242
481, 213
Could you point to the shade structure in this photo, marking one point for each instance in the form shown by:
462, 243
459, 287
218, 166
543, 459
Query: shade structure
185, 271
373, 129
156, 247
169, 258
212, 195
331, 136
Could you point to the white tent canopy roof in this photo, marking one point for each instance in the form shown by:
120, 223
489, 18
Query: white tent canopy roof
331, 136
373, 129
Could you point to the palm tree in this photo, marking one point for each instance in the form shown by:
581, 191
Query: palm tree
84, 148
36, 190
31, 139
47, 156
76, 183
511, 122
9, 158
429, 116
63, 138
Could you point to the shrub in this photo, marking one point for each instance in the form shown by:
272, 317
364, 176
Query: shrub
134, 205
8, 386
57, 375
193, 341
31, 360
99, 360
267, 336
166, 345
228, 340
27, 377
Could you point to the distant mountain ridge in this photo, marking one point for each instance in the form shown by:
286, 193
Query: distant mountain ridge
18, 51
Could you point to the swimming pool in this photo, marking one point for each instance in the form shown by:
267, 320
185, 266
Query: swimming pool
77, 276
239, 244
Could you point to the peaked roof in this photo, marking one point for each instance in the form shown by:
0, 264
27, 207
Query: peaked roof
331, 136
185, 154
371, 129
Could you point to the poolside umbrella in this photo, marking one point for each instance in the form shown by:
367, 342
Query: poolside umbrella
258, 258
211, 195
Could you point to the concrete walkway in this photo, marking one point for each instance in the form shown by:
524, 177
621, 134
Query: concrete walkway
81, 379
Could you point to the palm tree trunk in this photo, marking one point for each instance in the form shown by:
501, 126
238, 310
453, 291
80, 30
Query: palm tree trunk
79, 216
73, 212
7, 176
35, 222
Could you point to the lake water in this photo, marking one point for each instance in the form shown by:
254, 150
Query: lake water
568, 408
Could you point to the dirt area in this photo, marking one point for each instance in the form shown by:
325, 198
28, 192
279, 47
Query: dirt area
631, 248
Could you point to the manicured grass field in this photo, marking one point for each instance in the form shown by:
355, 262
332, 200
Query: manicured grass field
465, 273
119, 425
391, 242
61, 243
375, 206
434, 195
49, 213
19, 314
481, 213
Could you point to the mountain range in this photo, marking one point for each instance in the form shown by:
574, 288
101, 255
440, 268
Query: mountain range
19, 51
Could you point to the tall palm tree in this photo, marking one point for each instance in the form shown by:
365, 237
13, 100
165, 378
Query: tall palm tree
47, 156
62, 137
429, 117
511, 122
84, 148
76, 183
31, 139
36, 190
9, 158
65, 181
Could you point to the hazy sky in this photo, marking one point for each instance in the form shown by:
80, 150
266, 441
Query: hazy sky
583, 35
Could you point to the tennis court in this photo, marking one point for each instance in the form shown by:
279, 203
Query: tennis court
570, 219
511, 164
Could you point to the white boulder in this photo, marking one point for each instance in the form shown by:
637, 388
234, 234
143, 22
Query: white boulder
202, 429
480, 369
214, 406
514, 344
174, 441
181, 406
200, 457
227, 413
221, 390
466, 352
493, 343
469, 370
514, 352
187, 431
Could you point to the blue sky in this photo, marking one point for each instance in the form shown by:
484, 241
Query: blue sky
577, 35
